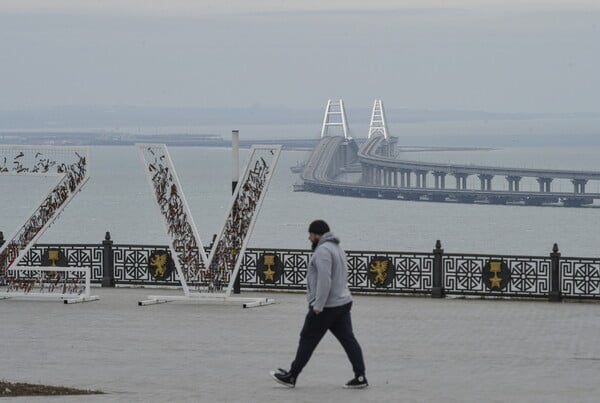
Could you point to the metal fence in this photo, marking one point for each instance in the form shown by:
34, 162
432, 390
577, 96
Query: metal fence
551, 277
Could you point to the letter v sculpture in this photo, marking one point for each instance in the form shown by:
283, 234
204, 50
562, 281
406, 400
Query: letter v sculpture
208, 279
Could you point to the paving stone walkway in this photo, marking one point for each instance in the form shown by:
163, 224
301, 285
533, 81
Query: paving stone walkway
416, 350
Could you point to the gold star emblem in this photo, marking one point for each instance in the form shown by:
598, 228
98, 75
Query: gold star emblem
269, 274
495, 281
495, 267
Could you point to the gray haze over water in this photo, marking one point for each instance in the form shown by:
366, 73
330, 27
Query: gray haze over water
525, 56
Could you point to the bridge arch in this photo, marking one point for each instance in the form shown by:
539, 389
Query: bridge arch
335, 117
378, 123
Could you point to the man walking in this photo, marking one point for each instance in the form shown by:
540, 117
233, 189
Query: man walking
329, 304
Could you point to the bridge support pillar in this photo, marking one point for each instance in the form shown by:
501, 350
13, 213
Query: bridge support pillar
421, 178
364, 174
579, 185
439, 179
486, 181
402, 178
544, 184
513, 183
461, 181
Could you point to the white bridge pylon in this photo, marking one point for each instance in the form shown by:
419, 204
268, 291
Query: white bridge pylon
378, 124
335, 117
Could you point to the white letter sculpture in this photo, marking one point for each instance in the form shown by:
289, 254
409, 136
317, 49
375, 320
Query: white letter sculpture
212, 277
68, 166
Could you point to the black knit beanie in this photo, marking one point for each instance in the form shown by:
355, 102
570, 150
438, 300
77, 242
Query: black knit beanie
318, 227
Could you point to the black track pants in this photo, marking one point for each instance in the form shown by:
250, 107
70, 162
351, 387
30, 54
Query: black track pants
339, 322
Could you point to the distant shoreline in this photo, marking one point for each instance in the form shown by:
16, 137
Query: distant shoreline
182, 140
116, 139
440, 139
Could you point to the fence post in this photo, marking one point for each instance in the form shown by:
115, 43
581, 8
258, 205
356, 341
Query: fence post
555, 295
438, 275
108, 267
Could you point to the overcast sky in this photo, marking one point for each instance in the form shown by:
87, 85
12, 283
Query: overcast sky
498, 56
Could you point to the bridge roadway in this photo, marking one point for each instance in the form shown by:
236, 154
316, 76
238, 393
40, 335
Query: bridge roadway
318, 163
368, 155
389, 178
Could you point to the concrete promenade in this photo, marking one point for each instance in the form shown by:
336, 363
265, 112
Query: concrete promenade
416, 350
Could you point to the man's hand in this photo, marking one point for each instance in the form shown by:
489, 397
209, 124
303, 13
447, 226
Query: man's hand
316, 311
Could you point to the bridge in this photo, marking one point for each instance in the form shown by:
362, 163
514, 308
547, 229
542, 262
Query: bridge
386, 174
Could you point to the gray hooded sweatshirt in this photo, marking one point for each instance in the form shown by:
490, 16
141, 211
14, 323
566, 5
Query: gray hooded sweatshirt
327, 276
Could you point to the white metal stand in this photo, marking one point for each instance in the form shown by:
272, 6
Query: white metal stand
207, 298
67, 290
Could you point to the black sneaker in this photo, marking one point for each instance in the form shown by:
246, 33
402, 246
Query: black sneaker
359, 382
284, 378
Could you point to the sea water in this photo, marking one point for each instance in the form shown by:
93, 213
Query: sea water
118, 199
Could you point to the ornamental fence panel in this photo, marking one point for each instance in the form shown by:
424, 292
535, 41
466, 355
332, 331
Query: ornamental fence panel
380, 272
131, 265
517, 276
580, 277
72, 255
